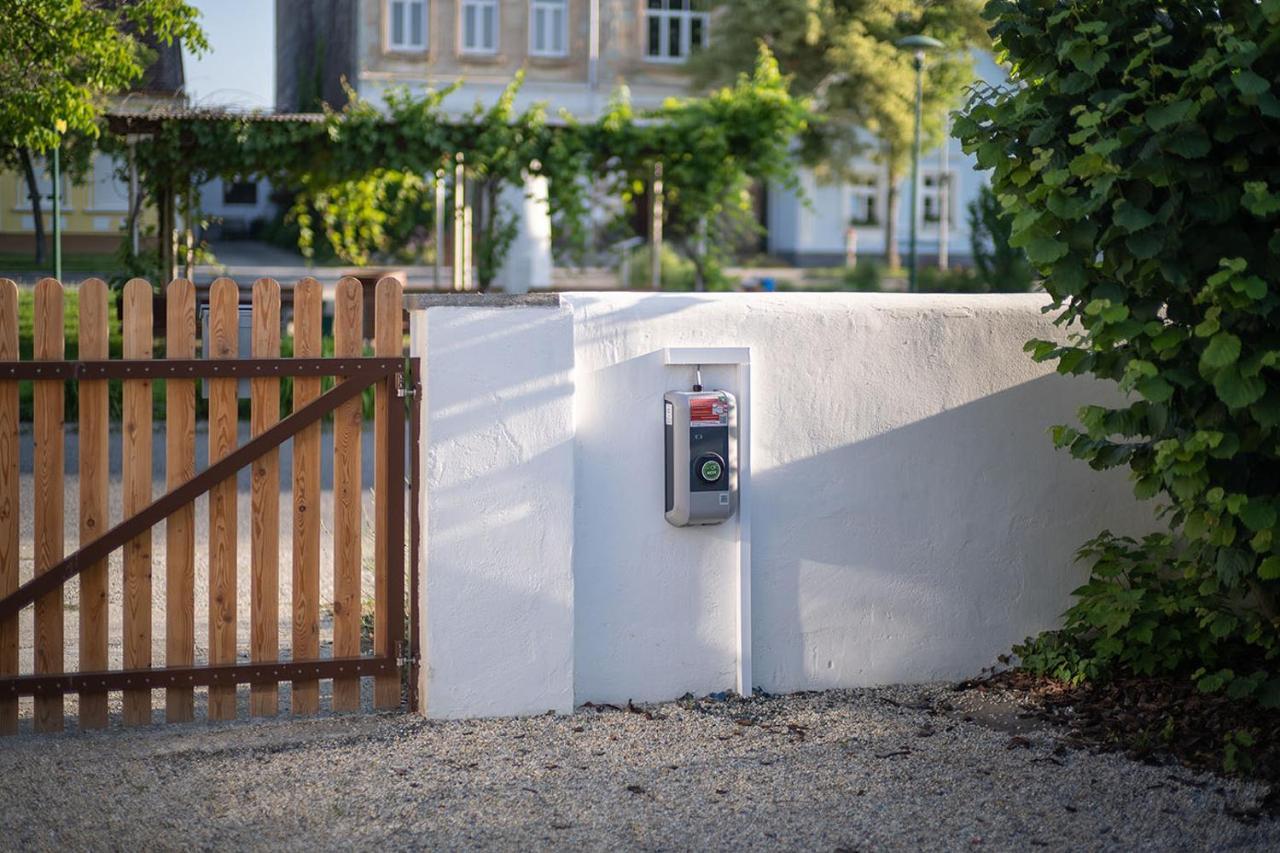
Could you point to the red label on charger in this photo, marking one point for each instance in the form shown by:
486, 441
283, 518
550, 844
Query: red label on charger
705, 411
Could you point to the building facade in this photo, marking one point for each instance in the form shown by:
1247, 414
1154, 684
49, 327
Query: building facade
575, 54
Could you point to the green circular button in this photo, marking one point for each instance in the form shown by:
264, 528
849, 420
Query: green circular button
710, 470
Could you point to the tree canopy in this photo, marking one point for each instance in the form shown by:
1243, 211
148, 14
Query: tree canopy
61, 59
844, 53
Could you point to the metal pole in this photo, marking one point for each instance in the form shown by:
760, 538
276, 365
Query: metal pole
915, 171
133, 198
655, 231
440, 211
944, 199
459, 202
57, 212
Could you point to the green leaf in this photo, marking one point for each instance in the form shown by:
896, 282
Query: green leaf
1269, 569
1158, 118
1237, 390
1223, 349
1145, 244
1250, 83
1132, 218
1045, 250
1156, 389
1257, 515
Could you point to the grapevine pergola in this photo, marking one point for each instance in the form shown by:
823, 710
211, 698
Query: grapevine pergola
709, 148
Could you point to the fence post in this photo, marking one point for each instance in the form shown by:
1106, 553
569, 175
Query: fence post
388, 420
180, 528
48, 470
94, 520
8, 497
347, 422
307, 305
264, 601
224, 329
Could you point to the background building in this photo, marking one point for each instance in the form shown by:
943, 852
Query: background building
575, 55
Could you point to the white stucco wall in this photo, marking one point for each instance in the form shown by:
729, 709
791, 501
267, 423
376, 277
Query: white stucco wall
497, 579
911, 519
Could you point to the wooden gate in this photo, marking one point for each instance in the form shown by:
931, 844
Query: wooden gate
180, 373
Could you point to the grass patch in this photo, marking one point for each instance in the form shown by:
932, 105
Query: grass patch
24, 262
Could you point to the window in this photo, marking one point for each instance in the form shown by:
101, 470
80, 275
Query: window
548, 30
407, 25
110, 193
479, 26
674, 29
239, 192
44, 184
931, 198
864, 199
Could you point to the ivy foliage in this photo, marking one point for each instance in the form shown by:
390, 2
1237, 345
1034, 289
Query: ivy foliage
710, 148
1135, 148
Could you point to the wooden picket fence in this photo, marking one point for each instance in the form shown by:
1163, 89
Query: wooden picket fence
180, 371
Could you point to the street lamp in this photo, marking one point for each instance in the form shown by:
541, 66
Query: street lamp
61, 127
918, 44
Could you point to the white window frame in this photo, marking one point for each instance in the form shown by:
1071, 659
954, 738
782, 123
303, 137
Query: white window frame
110, 193
406, 43
685, 16
864, 192
479, 7
931, 196
44, 183
548, 9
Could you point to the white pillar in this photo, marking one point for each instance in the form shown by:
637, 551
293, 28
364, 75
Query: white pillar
528, 260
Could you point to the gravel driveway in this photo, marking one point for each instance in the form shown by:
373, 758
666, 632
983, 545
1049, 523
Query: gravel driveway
897, 768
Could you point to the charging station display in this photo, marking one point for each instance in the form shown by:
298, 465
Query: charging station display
701, 456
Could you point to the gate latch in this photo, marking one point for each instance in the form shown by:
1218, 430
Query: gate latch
403, 390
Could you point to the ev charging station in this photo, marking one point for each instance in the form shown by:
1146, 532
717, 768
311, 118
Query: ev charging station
707, 438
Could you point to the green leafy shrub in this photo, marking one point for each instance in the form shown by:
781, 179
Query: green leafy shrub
1003, 267
1148, 610
865, 277
1135, 149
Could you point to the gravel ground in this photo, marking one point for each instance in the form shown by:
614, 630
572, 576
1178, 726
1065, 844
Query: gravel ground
895, 768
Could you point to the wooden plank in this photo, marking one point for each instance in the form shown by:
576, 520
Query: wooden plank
9, 509
136, 455
94, 518
180, 528
307, 308
347, 341
388, 341
264, 602
48, 474
224, 300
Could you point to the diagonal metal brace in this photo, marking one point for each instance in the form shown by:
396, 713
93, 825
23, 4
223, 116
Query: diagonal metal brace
161, 508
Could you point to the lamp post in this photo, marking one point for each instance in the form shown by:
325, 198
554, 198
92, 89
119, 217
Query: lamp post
918, 44
61, 127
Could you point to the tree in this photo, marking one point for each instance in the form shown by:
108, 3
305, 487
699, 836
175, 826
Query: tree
59, 59
1135, 148
843, 52
1003, 267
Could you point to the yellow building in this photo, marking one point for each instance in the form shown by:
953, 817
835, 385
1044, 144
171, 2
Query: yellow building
94, 210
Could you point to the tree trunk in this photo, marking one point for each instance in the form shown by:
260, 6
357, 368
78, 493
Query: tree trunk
893, 204
33, 193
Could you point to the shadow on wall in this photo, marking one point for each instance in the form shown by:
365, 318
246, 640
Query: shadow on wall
922, 553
